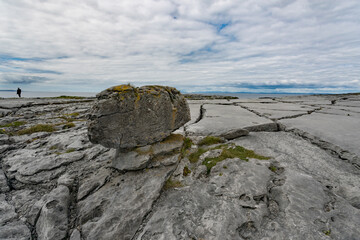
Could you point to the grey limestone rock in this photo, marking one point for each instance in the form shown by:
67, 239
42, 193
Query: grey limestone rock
3, 182
7, 211
132, 160
53, 220
117, 209
235, 133
226, 120
93, 182
10, 226
128, 117
75, 235
140, 157
15, 231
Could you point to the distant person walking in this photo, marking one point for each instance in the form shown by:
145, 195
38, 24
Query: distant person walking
18, 92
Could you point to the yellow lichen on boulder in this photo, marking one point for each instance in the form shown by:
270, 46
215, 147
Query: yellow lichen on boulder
121, 88
127, 117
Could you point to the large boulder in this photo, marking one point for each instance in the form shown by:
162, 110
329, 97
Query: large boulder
126, 117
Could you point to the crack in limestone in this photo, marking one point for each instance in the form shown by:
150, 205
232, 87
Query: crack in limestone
95, 189
300, 115
201, 114
54, 168
327, 146
276, 119
149, 214
253, 111
72, 207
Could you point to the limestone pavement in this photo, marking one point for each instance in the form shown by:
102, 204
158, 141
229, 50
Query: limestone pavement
300, 182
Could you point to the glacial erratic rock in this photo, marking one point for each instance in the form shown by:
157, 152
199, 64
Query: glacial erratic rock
127, 117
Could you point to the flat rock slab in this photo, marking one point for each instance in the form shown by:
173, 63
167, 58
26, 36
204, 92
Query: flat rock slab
213, 209
306, 187
117, 209
220, 119
341, 130
195, 109
277, 110
310, 176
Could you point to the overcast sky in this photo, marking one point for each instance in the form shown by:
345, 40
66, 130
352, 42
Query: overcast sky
194, 45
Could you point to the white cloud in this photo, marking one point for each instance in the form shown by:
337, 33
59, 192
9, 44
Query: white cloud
88, 45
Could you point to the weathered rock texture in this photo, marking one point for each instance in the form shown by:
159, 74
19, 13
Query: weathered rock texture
58, 185
128, 117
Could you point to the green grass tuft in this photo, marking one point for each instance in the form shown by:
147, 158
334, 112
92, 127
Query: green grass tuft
68, 125
194, 157
53, 147
66, 118
231, 152
37, 128
186, 171
327, 232
187, 143
172, 184
210, 140
273, 168
186, 146
14, 124
74, 114
70, 150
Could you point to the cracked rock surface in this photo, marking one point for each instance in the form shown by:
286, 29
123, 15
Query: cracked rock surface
289, 170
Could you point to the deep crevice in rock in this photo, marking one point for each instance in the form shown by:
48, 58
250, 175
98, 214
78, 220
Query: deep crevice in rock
201, 115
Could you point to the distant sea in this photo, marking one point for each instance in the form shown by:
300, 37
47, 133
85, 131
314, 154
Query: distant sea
30, 94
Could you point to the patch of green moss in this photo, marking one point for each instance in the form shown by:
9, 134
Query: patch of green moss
2, 131
186, 146
14, 124
68, 125
188, 143
231, 151
74, 114
121, 88
53, 147
186, 171
169, 184
67, 118
327, 232
210, 140
37, 128
70, 150
32, 140
194, 157
273, 168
